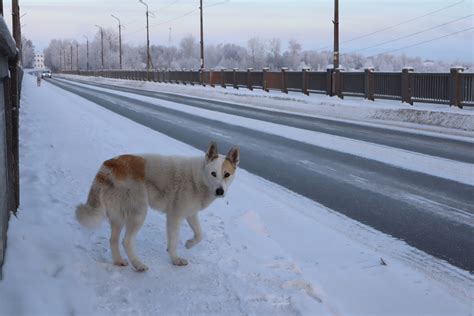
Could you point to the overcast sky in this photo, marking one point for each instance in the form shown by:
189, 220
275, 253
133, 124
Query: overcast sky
308, 21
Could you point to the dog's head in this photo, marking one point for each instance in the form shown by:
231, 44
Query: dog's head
220, 170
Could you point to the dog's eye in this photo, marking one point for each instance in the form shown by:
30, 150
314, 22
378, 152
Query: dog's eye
226, 175
214, 174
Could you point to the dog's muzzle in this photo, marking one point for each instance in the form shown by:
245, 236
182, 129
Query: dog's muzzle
220, 192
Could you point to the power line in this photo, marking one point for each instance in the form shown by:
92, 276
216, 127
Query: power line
168, 5
412, 34
424, 42
175, 18
180, 16
397, 24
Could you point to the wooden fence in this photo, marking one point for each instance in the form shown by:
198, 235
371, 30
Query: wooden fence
10, 75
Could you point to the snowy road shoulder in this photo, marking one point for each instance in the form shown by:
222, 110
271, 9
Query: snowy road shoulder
265, 251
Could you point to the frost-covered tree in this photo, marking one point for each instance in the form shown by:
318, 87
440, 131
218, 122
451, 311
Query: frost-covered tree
256, 50
257, 54
28, 52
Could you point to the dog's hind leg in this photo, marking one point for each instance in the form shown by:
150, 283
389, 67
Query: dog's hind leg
193, 222
133, 224
172, 231
114, 244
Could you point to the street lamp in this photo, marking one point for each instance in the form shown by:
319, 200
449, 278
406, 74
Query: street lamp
101, 44
87, 52
120, 40
148, 57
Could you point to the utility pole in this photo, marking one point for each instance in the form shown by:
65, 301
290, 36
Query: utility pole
120, 40
336, 34
202, 37
63, 59
16, 24
77, 56
101, 44
148, 56
87, 52
70, 57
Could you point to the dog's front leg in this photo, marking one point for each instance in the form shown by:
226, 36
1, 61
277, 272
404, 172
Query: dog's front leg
193, 222
172, 230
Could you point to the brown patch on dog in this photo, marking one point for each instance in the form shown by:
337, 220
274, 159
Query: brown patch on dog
228, 166
127, 166
102, 178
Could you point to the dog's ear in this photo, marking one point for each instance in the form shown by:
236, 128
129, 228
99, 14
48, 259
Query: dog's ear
234, 156
212, 152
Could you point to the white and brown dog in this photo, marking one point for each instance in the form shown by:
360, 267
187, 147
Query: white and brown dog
180, 187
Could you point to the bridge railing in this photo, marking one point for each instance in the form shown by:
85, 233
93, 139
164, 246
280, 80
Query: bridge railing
454, 88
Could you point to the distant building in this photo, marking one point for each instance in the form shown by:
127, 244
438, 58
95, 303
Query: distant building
38, 62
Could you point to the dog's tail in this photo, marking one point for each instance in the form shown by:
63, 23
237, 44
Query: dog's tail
92, 213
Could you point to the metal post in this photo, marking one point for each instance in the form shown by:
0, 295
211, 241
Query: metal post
120, 40
407, 87
236, 86
264, 75
336, 34
202, 36
223, 78
77, 56
305, 81
101, 44
148, 57
70, 58
249, 79
369, 83
87, 52
455, 91
284, 80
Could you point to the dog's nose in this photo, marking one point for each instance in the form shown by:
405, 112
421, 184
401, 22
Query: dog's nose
220, 191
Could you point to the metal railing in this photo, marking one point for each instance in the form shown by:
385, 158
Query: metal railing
10, 75
454, 88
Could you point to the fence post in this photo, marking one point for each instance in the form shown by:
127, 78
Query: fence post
264, 79
249, 79
223, 78
338, 82
305, 81
369, 83
329, 90
407, 85
235, 78
181, 75
455, 83
284, 80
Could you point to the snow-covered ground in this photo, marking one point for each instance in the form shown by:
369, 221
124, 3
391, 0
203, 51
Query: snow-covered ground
266, 251
421, 116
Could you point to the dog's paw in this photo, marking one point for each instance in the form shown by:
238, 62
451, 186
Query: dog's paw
190, 243
179, 261
140, 267
121, 263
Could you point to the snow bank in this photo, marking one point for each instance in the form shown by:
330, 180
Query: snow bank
266, 250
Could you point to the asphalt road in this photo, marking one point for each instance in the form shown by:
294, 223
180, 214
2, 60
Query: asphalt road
432, 214
435, 146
